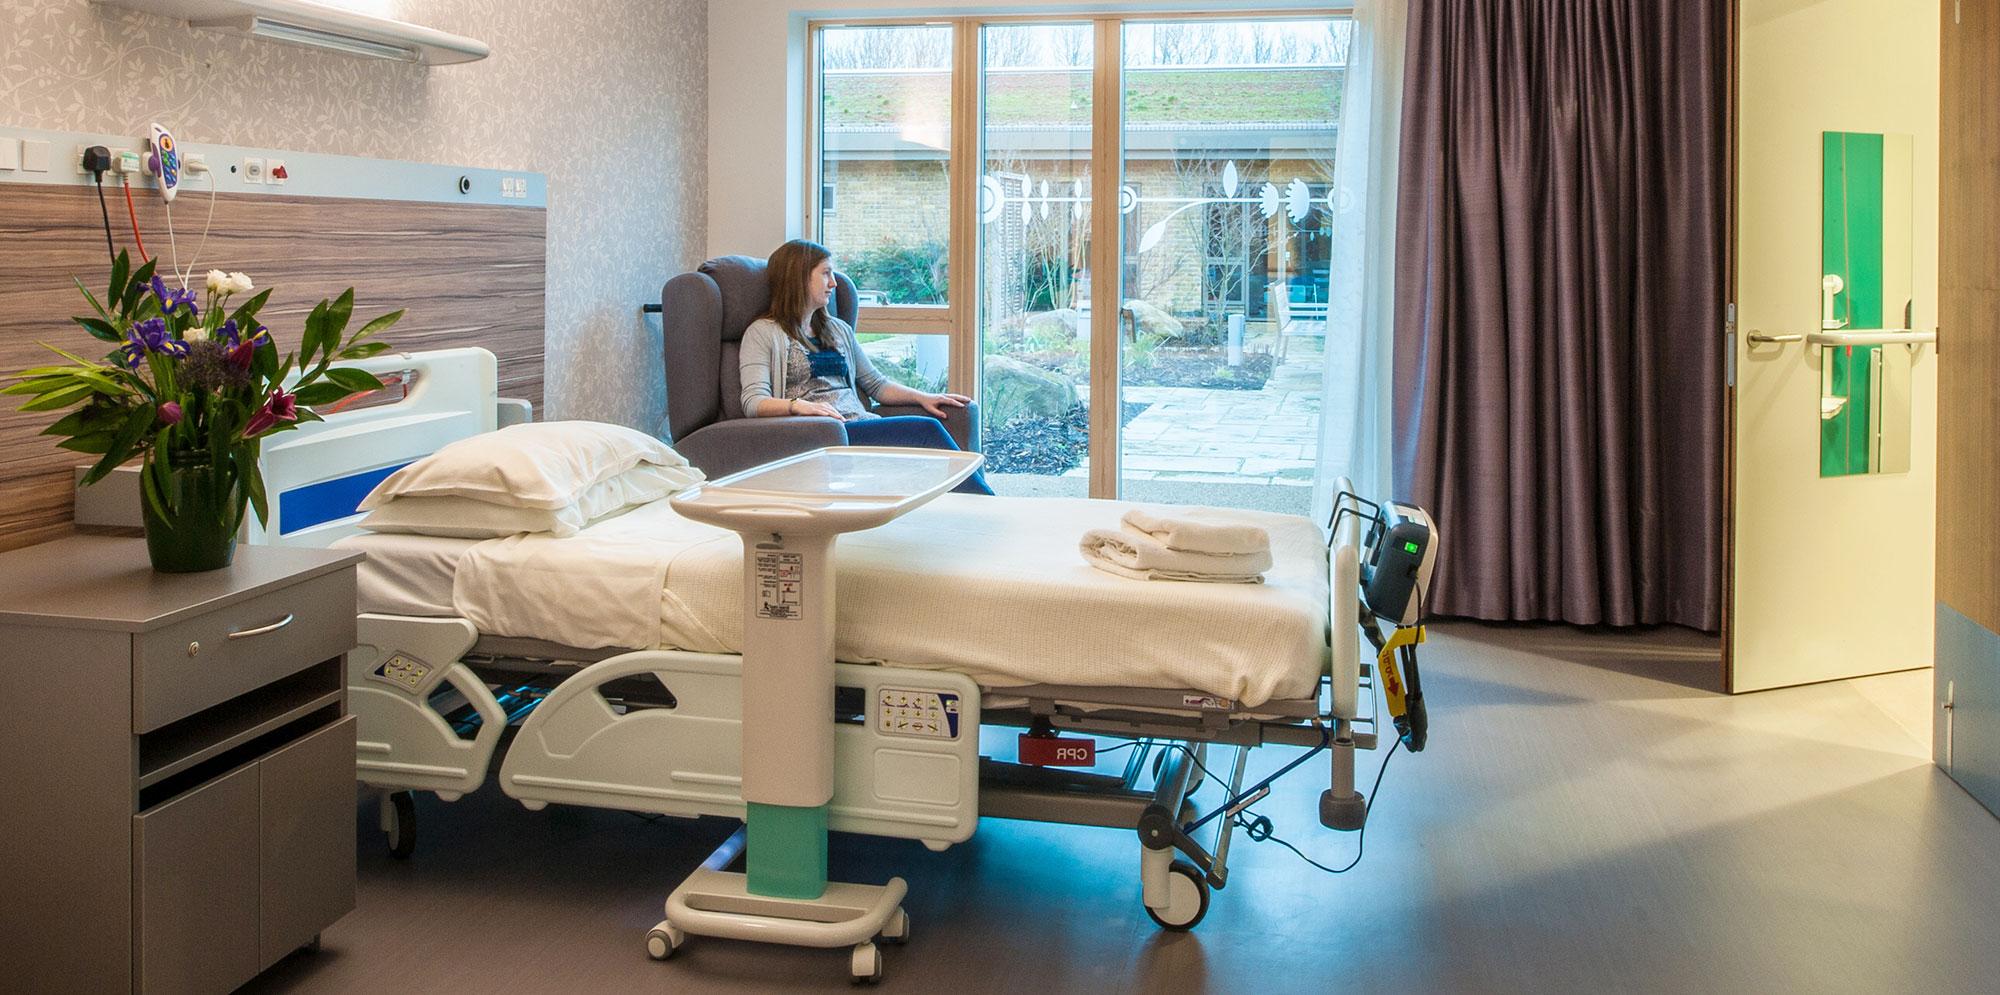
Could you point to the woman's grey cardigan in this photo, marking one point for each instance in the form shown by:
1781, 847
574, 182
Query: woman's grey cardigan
761, 362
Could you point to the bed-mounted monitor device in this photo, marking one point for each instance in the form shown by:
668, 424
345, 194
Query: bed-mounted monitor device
1401, 552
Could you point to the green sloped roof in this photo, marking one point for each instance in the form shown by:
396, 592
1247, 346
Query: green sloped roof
1276, 95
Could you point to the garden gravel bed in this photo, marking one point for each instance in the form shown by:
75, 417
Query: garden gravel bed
1049, 446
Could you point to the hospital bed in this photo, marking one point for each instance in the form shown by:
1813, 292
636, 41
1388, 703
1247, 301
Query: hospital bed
463, 639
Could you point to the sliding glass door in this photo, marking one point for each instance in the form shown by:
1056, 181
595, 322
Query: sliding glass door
1228, 137
1164, 343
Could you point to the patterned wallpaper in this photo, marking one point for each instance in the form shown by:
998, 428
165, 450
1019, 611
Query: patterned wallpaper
607, 97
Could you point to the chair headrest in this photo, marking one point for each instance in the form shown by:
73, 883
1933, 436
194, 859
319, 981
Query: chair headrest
746, 291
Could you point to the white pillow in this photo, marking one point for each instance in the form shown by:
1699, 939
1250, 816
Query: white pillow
544, 465
469, 518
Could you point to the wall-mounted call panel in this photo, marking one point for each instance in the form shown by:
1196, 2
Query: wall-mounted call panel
29, 155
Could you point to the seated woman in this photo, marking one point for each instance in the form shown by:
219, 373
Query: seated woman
799, 360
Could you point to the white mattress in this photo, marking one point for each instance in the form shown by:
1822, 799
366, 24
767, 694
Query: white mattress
990, 587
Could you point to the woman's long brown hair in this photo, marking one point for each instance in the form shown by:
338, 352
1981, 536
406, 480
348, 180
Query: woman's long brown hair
790, 271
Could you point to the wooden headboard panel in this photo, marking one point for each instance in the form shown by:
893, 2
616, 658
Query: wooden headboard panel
469, 274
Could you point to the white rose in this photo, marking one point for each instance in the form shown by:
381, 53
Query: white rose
195, 334
239, 283
217, 281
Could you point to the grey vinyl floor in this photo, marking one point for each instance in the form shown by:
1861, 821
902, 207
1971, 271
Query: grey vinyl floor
1590, 815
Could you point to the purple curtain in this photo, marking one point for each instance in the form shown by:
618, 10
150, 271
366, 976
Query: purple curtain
1561, 228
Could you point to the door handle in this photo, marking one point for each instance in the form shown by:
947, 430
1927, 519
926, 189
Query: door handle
1761, 338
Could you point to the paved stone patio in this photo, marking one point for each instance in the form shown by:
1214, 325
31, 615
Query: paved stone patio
1195, 445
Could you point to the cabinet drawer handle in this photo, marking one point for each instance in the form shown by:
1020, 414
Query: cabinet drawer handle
260, 630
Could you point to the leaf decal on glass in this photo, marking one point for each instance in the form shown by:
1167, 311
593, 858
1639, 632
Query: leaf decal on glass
1267, 201
1153, 236
1298, 200
1229, 179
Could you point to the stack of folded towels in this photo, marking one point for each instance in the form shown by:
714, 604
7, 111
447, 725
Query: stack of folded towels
1150, 545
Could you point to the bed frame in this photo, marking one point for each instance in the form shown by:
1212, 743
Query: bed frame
656, 731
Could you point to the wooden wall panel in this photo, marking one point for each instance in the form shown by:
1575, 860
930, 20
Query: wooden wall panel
468, 274
1969, 316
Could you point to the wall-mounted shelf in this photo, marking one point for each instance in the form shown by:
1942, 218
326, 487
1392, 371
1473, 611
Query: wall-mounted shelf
301, 22
1880, 336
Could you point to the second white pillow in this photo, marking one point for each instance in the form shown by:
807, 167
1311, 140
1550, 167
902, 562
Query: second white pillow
457, 517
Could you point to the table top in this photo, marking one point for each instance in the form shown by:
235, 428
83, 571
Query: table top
106, 582
837, 489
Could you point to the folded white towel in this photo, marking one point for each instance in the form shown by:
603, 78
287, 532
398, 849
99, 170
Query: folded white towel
1190, 530
1133, 554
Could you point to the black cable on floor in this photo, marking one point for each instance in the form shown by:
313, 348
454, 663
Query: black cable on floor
1258, 827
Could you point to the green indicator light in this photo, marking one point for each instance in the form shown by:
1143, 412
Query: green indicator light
1409, 547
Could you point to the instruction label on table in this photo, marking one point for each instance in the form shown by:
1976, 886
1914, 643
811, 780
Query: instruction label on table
781, 581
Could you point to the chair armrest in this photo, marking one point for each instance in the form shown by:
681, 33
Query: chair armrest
740, 443
962, 426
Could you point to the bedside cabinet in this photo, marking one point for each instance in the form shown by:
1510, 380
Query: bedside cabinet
176, 765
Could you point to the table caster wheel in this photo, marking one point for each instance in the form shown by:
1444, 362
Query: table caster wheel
897, 932
1187, 898
663, 940
866, 964
399, 815
311, 946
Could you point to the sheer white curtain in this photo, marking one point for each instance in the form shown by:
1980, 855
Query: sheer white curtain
1355, 397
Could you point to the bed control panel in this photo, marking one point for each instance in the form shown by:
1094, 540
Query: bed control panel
403, 671
924, 714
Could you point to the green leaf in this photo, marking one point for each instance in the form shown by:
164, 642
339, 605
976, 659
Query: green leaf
306, 417
100, 329
338, 315
246, 313
375, 327
60, 398
41, 385
313, 395
90, 419
121, 269
140, 284
245, 457
355, 381
364, 350
95, 444
136, 424
92, 298
315, 331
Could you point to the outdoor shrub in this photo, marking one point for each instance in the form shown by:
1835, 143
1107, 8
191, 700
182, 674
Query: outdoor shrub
906, 274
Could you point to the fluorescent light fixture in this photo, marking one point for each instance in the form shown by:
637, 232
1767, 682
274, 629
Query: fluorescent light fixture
299, 34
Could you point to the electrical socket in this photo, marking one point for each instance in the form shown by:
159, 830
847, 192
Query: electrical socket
128, 162
253, 170
194, 163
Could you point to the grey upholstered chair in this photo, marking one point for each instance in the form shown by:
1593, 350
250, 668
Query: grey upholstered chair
702, 318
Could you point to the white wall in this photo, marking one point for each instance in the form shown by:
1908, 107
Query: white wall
603, 96
756, 97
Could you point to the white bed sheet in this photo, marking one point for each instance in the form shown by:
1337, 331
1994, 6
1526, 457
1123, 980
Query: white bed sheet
407, 574
993, 588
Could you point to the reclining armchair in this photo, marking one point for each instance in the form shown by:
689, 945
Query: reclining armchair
702, 318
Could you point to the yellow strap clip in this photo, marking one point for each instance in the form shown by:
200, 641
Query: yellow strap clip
1392, 676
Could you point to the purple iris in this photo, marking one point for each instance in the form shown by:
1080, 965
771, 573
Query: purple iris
171, 299
227, 334
151, 336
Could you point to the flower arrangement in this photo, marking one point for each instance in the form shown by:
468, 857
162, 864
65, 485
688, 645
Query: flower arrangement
194, 389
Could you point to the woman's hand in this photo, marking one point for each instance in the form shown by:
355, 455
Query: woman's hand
812, 408
939, 404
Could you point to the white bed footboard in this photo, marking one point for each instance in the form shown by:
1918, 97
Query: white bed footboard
402, 743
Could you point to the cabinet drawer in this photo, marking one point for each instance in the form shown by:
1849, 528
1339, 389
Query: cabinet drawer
194, 873
306, 879
170, 683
